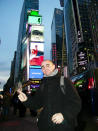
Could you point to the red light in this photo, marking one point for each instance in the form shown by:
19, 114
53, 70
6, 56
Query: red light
90, 83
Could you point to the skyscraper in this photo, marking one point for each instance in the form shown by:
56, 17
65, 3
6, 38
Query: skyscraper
56, 36
78, 35
27, 5
93, 16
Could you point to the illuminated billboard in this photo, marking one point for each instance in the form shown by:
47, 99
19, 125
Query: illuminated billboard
35, 73
35, 66
34, 86
36, 55
35, 20
33, 12
82, 61
37, 33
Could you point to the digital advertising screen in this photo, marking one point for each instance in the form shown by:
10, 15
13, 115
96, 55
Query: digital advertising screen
82, 58
34, 86
36, 55
35, 20
37, 33
35, 73
33, 12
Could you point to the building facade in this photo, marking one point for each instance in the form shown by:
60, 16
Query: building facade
78, 35
93, 16
27, 5
57, 38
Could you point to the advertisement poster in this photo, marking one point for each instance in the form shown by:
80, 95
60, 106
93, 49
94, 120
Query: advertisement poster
37, 33
34, 20
36, 54
35, 73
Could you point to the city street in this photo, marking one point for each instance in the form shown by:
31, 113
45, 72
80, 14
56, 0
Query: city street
16, 123
27, 123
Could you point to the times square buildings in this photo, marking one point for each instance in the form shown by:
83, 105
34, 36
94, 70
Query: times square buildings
81, 38
27, 5
80, 33
74, 41
58, 43
30, 45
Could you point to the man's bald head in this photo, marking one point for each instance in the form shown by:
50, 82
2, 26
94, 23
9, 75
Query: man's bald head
48, 61
47, 67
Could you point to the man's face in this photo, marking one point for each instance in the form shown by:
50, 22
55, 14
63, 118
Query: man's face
47, 67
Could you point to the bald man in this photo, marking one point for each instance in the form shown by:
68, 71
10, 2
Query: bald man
59, 110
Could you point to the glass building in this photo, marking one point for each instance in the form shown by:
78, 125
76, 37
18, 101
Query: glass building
93, 15
71, 34
78, 35
56, 36
27, 5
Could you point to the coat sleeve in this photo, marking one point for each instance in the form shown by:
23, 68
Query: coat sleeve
72, 103
35, 101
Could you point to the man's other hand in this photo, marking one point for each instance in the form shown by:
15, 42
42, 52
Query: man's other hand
57, 118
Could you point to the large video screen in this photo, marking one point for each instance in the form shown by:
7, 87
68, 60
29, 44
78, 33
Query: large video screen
37, 33
35, 73
36, 54
35, 20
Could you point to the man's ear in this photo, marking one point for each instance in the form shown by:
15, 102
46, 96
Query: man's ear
54, 66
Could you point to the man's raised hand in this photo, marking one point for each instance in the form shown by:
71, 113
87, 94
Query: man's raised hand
22, 96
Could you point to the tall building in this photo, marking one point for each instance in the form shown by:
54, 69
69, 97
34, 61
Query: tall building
81, 27
57, 37
70, 30
27, 5
93, 16
78, 35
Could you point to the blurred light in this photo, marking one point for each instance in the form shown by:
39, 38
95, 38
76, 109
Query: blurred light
80, 85
90, 83
93, 27
10, 90
59, 66
33, 12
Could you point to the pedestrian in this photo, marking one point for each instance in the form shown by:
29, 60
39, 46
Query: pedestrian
15, 101
59, 110
6, 105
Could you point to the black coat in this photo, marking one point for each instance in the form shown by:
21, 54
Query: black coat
54, 101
